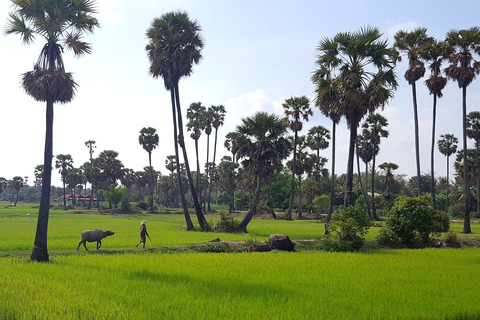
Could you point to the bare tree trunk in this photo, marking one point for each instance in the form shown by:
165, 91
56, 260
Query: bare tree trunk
364, 191
374, 209
466, 221
40, 251
353, 138
417, 138
292, 185
432, 151
332, 187
212, 174
242, 227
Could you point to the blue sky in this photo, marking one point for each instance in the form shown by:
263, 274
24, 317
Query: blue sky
257, 54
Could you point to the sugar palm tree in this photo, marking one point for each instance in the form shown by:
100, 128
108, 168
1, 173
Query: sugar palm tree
389, 180
435, 53
62, 24
218, 119
263, 146
38, 173
373, 131
473, 132
196, 113
413, 43
296, 109
447, 145
90, 144
462, 69
231, 144
148, 139
64, 164
318, 139
365, 152
16, 184
174, 46
208, 118
110, 166
359, 69
327, 99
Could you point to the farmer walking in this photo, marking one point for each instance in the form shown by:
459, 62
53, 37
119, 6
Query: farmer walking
143, 233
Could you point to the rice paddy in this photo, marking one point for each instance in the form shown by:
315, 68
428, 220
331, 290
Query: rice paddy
121, 282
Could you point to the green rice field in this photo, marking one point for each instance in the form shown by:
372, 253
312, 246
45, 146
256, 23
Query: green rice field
122, 282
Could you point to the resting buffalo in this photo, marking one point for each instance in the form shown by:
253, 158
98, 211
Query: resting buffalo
94, 235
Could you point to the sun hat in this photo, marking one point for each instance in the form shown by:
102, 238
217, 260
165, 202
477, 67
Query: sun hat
144, 222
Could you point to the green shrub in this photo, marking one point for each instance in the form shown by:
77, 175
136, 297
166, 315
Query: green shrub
457, 210
242, 200
125, 205
142, 205
226, 223
347, 230
321, 204
441, 222
388, 238
412, 221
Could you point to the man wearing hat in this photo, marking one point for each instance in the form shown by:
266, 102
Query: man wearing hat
143, 233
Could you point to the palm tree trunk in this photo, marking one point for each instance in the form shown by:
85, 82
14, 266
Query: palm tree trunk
198, 173
150, 185
201, 218
292, 185
188, 220
213, 169
417, 138
364, 190
374, 209
64, 199
478, 180
242, 227
446, 202
332, 187
432, 151
466, 221
40, 251
353, 138
206, 174
299, 197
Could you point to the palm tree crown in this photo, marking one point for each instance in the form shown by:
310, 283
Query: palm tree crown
148, 138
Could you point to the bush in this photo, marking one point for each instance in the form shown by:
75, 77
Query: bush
441, 222
412, 221
387, 237
321, 204
347, 230
142, 205
125, 205
242, 200
226, 223
457, 210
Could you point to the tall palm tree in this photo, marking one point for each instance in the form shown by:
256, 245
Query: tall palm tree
64, 164
327, 99
208, 118
90, 144
447, 145
358, 68
38, 173
263, 146
111, 168
389, 180
148, 139
318, 139
16, 184
413, 43
435, 53
462, 69
473, 132
231, 144
57, 22
373, 130
218, 119
196, 114
174, 46
296, 109
365, 152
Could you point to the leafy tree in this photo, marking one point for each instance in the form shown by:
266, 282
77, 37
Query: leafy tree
64, 164
462, 69
435, 52
358, 68
128, 179
196, 115
113, 195
217, 122
55, 21
373, 130
263, 146
447, 145
473, 132
3, 185
74, 179
413, 44
227, 179
296, 109
38, 173
174, 46
16, 184
148, 139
